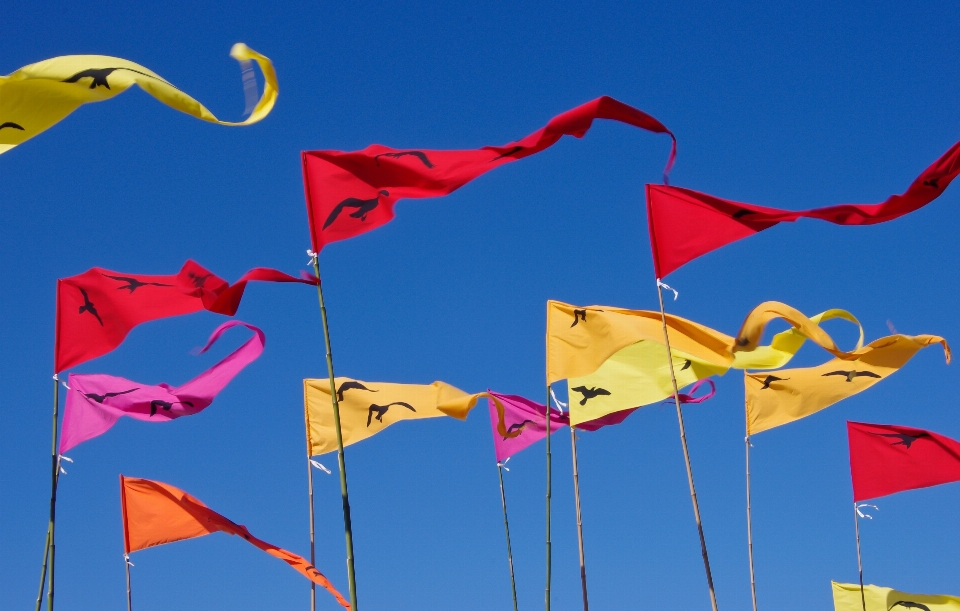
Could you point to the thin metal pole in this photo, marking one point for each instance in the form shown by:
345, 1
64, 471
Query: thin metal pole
856, 521
686, 453
54, 458
126, 562
347, 526
313, 561
753, 583
576, 493
506, 526
549, 551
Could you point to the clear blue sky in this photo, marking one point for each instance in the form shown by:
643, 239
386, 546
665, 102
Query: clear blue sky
793, 105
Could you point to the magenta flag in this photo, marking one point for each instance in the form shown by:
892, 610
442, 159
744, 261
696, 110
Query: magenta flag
522, 423
96, 401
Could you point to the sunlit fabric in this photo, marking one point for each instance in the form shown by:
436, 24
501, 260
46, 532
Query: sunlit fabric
847, 597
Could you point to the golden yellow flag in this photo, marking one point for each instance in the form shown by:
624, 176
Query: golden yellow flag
847, 597
37, 96
366, 408
787, 395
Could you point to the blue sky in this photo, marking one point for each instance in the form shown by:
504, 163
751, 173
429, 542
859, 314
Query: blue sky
793, 105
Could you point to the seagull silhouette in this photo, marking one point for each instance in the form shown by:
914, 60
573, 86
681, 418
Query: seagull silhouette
89, 307
106, 395
579, 315
508, 152
589, 393
363, 207
418, 154
932, 183
686, 364
381, 410
132, 283
99, 76
905, 440
198, 280
11, 125
770, 379
909, 605
351, 386
518, 427
742, 213
166, 405
852, 374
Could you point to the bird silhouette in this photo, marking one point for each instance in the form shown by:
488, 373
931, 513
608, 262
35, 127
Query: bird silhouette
932, 183
909, 605
99, 76
11, 125
686, 364
166, 405
106, 395
198, 280
508, 152
132, 283
363, 207
381, 410
853, 374
743, 341
905, 440
770, 379
589, 393
351, 386
418, 154
89, 307
579, 315
742, 213
515, 430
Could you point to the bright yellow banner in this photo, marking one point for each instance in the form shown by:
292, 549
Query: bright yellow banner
787, 395
37, 96
366, 408
847, 597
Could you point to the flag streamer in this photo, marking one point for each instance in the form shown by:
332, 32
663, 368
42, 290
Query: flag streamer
847, 597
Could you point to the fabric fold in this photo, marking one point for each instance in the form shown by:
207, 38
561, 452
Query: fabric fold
847, 597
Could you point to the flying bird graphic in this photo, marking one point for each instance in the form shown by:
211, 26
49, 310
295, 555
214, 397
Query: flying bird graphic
508, 153
742, 213
905, 440
106, 395
932, 183
363, 207
89, 307
198, 280
589, 393
351, 386
516, 429
579, 315
770, 379
132, 283
686, 364
166, 405
99, 76
418, 154
381, 410
909, 605
853, 374
11, 125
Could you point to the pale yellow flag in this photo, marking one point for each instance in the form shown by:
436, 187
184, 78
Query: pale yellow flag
787, 395
366, 408
847, 597
37, 96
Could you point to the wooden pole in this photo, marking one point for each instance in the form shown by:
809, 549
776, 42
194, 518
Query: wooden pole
43, 569
347, 526
856, 521
126, 562
55, 476
549, 555
576, 493
686, 453
506, 526
753, 583
313, 560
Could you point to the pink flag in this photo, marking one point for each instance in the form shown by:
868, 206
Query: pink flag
96, 401
518, 423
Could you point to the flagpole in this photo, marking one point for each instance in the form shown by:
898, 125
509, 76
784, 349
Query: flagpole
43, 569
856, 521
753, 583
549, 555
506, 526
686, 452
347, 526
576, 493
51, 527
126, 562
313, 560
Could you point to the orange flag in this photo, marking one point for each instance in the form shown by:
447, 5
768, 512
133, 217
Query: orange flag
155, 513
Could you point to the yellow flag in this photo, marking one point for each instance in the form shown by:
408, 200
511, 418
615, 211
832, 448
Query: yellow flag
366, 408
787, 395
846, 597
37, 96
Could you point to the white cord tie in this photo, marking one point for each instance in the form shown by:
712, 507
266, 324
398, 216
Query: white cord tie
865, 515
56, 378
312, 255
319, 466
64, 384
669, 288
126, 558
61, 457
503, 465
560, 404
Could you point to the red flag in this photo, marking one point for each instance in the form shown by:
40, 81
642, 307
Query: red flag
155, 513
97, 309
885, 459
352, 193
685, 224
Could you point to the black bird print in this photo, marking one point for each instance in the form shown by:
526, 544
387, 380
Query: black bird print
852, 374
742, 213
418, 154
579, 315
932, 183
507, 153
743, 341
905, 440
909, 605
518, 427
198, 280
166, 405
99, 76
351, 386
770, 379
11, 125
381, 410
363, 207
132, 283
89, 307
686, 364
106, 395
589, 393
